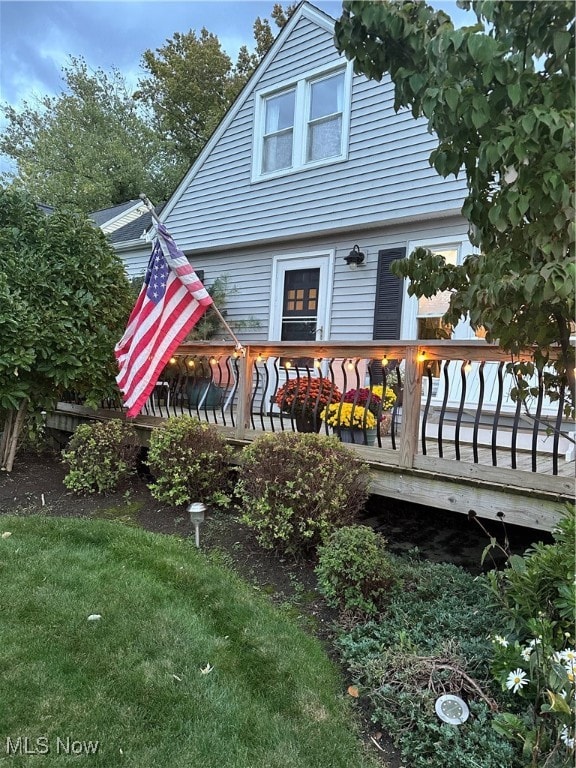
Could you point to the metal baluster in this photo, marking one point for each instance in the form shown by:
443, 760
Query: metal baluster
496, 420
478, 414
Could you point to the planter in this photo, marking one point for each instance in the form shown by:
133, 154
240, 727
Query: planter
203, 393
307, 422
357, 436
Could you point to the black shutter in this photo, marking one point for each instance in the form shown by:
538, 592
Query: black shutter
389, 293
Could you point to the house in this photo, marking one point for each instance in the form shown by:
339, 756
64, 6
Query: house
310, 164
127, 227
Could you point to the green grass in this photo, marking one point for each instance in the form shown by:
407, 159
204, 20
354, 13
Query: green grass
132, 680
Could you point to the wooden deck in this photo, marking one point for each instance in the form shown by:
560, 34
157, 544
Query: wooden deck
467, 447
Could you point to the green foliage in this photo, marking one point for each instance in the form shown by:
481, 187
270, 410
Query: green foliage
534, 656
88, 148
191, 82
64, 301
190, 462
354, 570
296, 488
99, 456
210, 325
499, 95
430, 639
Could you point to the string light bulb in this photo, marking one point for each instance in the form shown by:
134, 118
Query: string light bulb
350, 365
384, 361
191, 363
172, 361
421, 356
213, 361
288, 364
468, 367
317, 363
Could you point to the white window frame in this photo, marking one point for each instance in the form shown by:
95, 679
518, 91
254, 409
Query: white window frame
301, 121
409, 320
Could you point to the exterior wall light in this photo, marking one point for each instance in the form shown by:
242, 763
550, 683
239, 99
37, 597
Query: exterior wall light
355, 258
197, 512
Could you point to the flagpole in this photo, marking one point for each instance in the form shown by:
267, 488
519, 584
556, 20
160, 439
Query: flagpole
239, 346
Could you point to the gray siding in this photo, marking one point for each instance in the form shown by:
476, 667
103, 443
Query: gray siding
386, 177
353, 294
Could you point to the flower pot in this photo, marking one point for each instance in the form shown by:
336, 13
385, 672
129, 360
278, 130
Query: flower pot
307, 422
357, 436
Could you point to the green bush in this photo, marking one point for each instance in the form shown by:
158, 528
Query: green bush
535, 648
189, 461
430, 639
354, 570
296, 488
100, 456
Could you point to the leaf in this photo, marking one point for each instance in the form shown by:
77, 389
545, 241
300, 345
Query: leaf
353, 691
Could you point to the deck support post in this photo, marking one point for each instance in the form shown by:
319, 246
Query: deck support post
411, 407
244, 393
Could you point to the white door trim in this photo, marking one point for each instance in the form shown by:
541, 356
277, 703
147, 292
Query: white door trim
324, 260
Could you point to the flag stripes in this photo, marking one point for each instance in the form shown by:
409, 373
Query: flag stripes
171, 302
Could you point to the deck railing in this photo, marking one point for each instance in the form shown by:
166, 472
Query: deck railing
452, 399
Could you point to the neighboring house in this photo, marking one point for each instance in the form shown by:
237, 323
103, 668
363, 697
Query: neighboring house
310, 161
127, 227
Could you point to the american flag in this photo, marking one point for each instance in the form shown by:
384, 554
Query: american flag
171, 302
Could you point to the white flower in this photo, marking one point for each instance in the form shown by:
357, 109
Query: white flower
568, 654
207, 669
516, 680
535, 642
566, 738
526, 653
500, 640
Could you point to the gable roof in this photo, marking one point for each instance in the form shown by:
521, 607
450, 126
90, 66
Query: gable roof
110, 219
136, 229
304, 10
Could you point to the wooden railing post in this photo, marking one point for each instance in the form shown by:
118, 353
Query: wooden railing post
411, 407
244, 393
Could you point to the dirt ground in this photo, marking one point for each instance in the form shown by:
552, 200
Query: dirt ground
35, 486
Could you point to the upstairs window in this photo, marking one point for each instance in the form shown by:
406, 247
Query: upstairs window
279, 132
302, 123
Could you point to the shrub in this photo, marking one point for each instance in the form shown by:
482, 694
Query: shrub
354, 570
190, 462
534, 653
99, 456
296, 488
429, 640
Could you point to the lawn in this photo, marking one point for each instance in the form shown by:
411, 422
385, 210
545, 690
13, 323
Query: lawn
186, 665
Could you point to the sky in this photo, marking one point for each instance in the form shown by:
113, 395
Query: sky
38, 37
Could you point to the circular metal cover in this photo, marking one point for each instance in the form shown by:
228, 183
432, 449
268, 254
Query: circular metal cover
452, 709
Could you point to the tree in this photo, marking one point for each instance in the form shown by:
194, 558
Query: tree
88, 148
499, 95
192, 82
64, 303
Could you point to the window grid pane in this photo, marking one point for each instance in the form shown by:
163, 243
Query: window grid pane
277, 152
325, 139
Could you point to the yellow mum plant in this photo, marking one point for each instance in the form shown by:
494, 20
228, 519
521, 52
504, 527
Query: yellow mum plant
348, 415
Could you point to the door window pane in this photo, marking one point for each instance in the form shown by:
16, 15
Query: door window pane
300, 308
